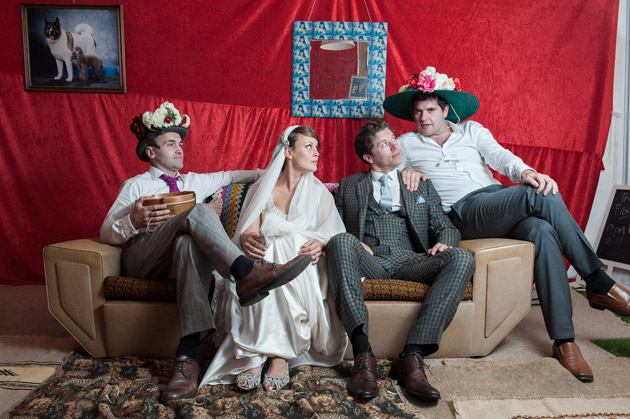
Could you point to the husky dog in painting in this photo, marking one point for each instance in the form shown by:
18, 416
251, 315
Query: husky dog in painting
62, 44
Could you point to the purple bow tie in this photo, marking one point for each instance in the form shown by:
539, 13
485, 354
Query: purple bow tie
171, 182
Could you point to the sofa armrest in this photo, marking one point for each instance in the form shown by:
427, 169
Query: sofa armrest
74, 278
502, 285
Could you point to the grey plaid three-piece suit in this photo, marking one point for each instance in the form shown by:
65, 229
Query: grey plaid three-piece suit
399, 241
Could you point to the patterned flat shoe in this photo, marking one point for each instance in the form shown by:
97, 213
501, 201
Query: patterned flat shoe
252, 380
279, 382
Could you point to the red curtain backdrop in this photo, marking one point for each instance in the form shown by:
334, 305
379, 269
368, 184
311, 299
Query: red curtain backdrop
546, 94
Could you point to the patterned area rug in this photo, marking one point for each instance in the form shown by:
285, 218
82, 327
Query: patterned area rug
25, 375
129, 387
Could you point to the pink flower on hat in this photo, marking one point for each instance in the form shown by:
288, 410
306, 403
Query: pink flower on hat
426, 83
429, 80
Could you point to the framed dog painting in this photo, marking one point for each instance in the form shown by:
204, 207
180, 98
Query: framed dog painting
73, 47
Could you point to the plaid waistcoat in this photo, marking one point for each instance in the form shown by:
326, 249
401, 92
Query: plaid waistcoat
385, 232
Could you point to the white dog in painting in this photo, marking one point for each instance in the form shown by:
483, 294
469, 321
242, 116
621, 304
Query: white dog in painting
62, 44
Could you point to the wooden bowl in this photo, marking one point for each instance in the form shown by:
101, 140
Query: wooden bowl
176, 202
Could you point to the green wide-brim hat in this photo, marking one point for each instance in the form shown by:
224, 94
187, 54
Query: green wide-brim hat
462, 105
142, 144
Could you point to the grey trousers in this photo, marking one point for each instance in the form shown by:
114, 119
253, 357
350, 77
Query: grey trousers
518, 212
449, 273
185, 248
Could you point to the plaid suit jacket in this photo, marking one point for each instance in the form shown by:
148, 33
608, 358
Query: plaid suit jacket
428, 224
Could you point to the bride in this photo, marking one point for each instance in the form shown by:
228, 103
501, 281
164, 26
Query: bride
287, 212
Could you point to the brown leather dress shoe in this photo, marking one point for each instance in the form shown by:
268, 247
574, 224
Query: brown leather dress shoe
410, 371
183, 382
362, 383
266, 276
617, 300
570, 357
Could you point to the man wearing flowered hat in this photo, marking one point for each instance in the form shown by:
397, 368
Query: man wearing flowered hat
188, 246
455, 155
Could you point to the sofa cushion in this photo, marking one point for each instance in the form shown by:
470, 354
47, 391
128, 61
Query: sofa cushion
395, 289
126, 288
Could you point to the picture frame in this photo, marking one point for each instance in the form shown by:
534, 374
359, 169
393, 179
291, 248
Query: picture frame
358, 88
321, 89
73, 48
613, 238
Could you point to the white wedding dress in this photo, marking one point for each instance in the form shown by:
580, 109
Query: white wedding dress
297, 321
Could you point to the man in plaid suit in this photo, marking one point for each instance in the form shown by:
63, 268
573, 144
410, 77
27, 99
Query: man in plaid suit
394, 233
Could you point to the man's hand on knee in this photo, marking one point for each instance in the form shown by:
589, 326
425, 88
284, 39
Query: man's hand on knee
438, 248
543, 183
367, 248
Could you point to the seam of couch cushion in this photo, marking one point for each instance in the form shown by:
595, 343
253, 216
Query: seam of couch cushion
127, 288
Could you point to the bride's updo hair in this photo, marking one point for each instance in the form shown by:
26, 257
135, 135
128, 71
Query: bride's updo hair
306, 131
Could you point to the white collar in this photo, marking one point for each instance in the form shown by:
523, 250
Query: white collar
376, 176
156, 173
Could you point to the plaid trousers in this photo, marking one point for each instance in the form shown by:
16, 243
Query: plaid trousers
448, 272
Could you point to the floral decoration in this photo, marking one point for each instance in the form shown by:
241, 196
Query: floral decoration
165, 116
138, 128
429, 80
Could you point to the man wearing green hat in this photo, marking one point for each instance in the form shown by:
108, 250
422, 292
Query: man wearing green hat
455, 156
185, 247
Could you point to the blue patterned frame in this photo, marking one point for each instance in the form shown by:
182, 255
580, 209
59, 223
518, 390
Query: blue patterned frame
303, 33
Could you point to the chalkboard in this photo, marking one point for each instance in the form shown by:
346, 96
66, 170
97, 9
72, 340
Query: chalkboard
613, 240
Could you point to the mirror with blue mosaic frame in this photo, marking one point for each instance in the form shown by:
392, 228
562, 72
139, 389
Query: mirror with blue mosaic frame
345, 82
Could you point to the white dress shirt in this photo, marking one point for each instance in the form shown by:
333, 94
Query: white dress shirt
117, 227
460, 166
394, 185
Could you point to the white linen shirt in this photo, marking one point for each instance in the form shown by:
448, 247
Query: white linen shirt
394, 185
460, 166
117, 227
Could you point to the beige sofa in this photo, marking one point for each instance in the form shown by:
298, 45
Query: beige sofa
108, 323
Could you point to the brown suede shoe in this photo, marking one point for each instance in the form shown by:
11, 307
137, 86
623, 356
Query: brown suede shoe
362, 384
617, 300
410, 371
266, 276
183, 382
570, 357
